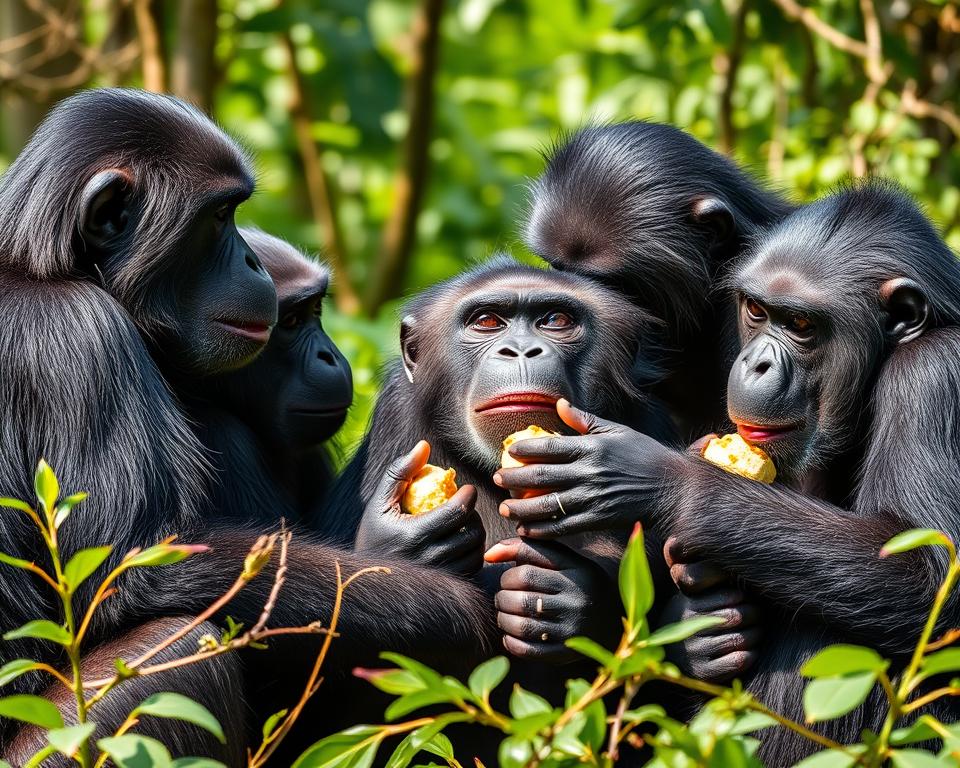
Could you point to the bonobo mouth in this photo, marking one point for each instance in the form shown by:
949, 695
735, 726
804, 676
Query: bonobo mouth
259, 332
519, 402
762, 433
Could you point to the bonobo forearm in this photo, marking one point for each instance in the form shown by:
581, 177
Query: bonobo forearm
805, 553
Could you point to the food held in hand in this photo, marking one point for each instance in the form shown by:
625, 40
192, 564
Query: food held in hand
734, 454
506, 460
430, 488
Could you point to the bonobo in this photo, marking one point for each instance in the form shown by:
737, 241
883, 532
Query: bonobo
650, 210
485, 354
848, 376
119, 257
265, 424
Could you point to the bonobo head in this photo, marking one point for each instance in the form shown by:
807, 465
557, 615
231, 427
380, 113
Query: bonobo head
296, 394
137, 192
490, 352
824, 300
647, 209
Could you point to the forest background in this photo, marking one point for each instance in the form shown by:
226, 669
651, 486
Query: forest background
395, 138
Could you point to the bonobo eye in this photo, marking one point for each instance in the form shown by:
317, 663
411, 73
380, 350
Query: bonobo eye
755, 310
800, 326
556, 321
290, 320
487, 321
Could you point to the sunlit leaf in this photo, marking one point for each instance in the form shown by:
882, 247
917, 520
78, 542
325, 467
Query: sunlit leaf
843, 660
947, 660
593, 650
829, 697
176, 706
64, 508
13, 669
354, 747
524, 703
915, 758
681, 630
914, 538
35, 710
828, 758
272, 722
68, 740
46, 486
84, 563
42, 629
131, 750
636, 584
488, 676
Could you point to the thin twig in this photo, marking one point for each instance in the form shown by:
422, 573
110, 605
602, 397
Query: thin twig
809, 18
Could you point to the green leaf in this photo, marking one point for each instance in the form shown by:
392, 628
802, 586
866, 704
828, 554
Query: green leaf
176, 706
947, 660
915, 758
593, 650
829, 697
22, 506
65, 506
16, 562
440, 746
843, 660
395, 681
918, 731
46, 485
84, 563
35, 710
160, 554
352, 748
748, 722
636, 584
514, 752
594, 729
13, 669
681, 630
414, 743
272, 722
422, 671
417, 700
829, 758
488, 676
524, 703
914, 538
730, 752
196, 762
42, 629
131, 750
68, 740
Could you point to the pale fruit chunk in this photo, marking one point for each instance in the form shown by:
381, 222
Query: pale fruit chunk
506, 460
734, 454
430, 488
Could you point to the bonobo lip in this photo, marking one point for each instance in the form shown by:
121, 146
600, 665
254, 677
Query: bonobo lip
259, 332
518, 402
764, 433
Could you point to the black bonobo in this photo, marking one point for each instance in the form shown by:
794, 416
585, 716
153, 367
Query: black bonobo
265, 424
651, 211
119, 259
849, 317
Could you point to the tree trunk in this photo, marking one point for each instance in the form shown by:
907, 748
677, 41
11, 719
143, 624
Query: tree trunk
194, 69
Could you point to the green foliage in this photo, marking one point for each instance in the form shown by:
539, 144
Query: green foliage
722, 735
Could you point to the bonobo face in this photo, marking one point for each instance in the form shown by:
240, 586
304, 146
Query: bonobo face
227, 304
296, 394
490, 352
803, 368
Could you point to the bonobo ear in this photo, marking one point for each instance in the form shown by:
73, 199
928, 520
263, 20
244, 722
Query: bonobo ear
716, 215
408, 345
104, 207
906, 308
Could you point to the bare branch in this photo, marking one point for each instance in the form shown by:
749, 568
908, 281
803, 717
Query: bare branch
154, 67
917, 107
836, 38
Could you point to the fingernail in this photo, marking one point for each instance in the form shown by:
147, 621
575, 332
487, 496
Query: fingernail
504, 510
498, 479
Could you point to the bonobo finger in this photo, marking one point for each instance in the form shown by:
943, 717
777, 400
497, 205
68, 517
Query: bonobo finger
529, 578
531, 630
674, 552
401, 471
536, 605
455, 513
554, 529
582, 421
539, 477
537, 508
727, 667
715, 646
694, 578
555, 653
467, 541
542, 554
697, 447
724, 598
548, 450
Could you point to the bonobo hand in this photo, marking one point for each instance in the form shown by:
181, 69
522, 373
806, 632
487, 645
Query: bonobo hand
607, 477
450, 536
550, 595
719, 654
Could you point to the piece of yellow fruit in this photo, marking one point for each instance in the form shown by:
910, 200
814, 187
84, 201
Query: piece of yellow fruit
506, 460
430, 488
734, 454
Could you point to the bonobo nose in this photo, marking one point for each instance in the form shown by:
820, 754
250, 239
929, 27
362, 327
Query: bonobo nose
763, 358
326, 356
518, 349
